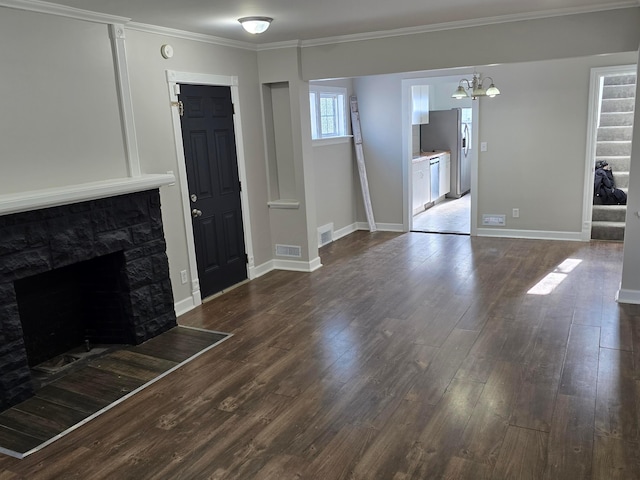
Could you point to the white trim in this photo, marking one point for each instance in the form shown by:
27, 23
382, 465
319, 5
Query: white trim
321, 142
476, 22
53, 197
261, 270
62, 11
297, 265
125, 99
529, 234
628, 296
593, 116
184, 306
284, 204
186, 35
175, 78
344, 231
382, 227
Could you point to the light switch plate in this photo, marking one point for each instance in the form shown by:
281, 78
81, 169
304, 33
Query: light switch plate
483, 146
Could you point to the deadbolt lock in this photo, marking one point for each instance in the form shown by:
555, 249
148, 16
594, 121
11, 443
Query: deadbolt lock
194, 197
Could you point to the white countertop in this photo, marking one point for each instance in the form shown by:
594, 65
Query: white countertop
423, 156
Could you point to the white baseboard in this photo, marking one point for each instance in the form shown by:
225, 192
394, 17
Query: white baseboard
344, 231
628, 296
297, 266
260, 270
382, 227
189, 303
530, 234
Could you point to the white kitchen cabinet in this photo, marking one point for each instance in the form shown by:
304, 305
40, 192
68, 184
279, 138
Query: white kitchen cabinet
445, 173
419, 104
421, 189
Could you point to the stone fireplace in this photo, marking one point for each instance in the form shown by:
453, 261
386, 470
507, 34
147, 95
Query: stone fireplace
92, 271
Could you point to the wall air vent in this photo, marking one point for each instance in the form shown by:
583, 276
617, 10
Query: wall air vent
325, 234
492, 220
288, 251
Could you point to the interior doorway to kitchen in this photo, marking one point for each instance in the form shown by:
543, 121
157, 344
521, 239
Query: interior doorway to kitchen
447, 139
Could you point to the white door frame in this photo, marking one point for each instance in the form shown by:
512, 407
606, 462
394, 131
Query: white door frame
593, 119
407, 154
174, 79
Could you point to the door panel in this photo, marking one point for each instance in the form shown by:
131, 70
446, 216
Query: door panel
212, 176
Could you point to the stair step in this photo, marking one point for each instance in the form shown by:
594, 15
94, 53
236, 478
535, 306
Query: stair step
621, 179
618, 164
613, 231
613, 149
618, 105
620, 79
619, 91
609, 213
615, 133
608, 119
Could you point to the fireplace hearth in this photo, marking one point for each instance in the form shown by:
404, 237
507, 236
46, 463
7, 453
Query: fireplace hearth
94, 271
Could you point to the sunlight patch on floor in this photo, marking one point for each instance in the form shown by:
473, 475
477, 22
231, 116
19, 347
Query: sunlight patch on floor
549, 283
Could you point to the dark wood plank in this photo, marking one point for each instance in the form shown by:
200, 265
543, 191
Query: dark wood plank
580, 372
523, 454
571, 439
616, 413
615, 459
133, 364
17, 441
485, 432
355, 371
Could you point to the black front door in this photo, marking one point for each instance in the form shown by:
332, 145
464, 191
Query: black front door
214, 186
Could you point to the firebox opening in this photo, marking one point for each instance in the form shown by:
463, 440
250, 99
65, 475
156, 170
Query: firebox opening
74, 307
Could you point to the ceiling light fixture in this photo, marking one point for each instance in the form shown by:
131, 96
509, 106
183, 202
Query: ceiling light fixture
475, 86
255, 25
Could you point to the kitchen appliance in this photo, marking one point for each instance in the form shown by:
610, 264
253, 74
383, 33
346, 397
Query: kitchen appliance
445, 131
434, 171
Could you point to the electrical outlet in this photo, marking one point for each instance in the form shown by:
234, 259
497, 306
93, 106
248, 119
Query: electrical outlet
183, 276
515, 213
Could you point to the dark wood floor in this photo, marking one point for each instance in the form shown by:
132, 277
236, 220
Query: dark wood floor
93, 386
410, 356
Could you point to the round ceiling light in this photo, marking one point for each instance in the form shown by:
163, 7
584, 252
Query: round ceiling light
255, 25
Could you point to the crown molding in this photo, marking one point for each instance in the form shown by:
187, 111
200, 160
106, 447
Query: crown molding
477, 22
278, 45
63, 11
198, 37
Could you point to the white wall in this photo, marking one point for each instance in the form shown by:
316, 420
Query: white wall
523, 41
336, 178
536, 136
157, 143
379, 102
61, 120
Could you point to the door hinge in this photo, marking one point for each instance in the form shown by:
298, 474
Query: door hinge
233, 109
246, 258
180, 106
240, 185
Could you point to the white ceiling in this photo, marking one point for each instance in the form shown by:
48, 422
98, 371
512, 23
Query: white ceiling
316, 19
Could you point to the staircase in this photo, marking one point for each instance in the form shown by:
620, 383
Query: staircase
613, 144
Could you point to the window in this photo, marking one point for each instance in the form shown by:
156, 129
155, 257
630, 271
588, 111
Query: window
328, 112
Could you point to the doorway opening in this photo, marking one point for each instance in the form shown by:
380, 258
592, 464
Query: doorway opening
611, 113
444, 146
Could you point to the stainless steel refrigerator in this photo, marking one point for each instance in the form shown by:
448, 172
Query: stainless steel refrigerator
446, 131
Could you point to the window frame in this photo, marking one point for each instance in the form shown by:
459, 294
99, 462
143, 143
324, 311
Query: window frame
341, 116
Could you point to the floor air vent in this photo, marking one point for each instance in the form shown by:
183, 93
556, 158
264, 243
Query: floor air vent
325, 234
288, 251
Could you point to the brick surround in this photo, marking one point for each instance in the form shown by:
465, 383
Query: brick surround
40, 241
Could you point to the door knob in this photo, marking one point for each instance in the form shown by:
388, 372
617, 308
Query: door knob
196, 213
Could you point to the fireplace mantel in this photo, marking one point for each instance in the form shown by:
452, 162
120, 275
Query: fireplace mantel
53, 197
